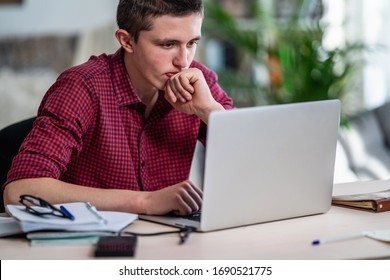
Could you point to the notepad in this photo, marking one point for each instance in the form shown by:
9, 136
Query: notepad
66, 238
87, 218
9, 226
76, 241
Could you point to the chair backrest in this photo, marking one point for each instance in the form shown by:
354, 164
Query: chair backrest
11, 138
367, 143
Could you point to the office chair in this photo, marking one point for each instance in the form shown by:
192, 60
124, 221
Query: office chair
11, 138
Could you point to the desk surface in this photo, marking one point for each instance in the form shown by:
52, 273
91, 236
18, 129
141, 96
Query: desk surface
287, 239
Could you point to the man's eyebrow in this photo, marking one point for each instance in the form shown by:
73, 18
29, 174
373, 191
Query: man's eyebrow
168, 40
196, 38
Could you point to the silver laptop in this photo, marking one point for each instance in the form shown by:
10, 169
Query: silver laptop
265, 164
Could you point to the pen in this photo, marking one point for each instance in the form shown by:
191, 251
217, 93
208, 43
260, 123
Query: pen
95, 212
339, 238
67, 213
184, 233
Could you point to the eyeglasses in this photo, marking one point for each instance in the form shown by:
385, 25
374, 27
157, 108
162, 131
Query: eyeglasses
38, 206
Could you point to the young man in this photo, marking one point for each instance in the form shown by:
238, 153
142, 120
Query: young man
119, 131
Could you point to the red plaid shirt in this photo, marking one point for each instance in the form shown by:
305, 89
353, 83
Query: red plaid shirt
91, 131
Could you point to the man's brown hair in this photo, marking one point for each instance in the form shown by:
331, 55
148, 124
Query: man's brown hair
135, 16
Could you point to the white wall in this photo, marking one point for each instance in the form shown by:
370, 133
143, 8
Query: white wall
37, 17
94, 21
368, 22
376, 22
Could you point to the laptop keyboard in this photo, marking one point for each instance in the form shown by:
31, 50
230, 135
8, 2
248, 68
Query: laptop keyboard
195, 216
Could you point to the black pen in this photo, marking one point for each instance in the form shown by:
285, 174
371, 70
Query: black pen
184, 233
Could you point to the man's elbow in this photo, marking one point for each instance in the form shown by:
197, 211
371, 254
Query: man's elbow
12, 192
8, 198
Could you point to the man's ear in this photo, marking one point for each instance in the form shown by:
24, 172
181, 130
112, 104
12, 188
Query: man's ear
125, 40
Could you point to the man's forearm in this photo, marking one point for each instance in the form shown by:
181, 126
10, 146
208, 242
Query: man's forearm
182, 198
56, 192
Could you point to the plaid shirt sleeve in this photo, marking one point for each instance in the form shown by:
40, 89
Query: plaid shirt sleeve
65, 114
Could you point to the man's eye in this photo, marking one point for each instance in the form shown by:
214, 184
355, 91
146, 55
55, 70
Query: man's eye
167, 46
192, 43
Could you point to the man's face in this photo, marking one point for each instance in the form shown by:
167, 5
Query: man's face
166, 49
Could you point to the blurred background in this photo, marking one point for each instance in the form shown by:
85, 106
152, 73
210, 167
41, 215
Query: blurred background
264, 51
41, 38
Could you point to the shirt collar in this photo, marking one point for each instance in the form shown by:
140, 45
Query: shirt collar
123, 87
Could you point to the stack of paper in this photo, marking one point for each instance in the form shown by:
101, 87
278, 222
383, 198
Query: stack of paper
85, 228
66, 237
9, 226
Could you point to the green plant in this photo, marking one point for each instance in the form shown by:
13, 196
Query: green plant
299, 67
308, 71
248, 41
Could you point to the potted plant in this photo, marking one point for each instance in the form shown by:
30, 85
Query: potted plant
298, 66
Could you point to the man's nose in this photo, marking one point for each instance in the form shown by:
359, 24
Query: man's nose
181, 58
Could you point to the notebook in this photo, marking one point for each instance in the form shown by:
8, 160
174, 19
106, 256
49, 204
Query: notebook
87, 218
265, 164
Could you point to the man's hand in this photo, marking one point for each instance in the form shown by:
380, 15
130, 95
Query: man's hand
182, 199
188, 92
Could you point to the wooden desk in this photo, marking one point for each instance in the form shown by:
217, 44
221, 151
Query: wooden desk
288, 239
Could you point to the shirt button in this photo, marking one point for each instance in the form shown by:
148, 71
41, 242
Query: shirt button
142, 164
